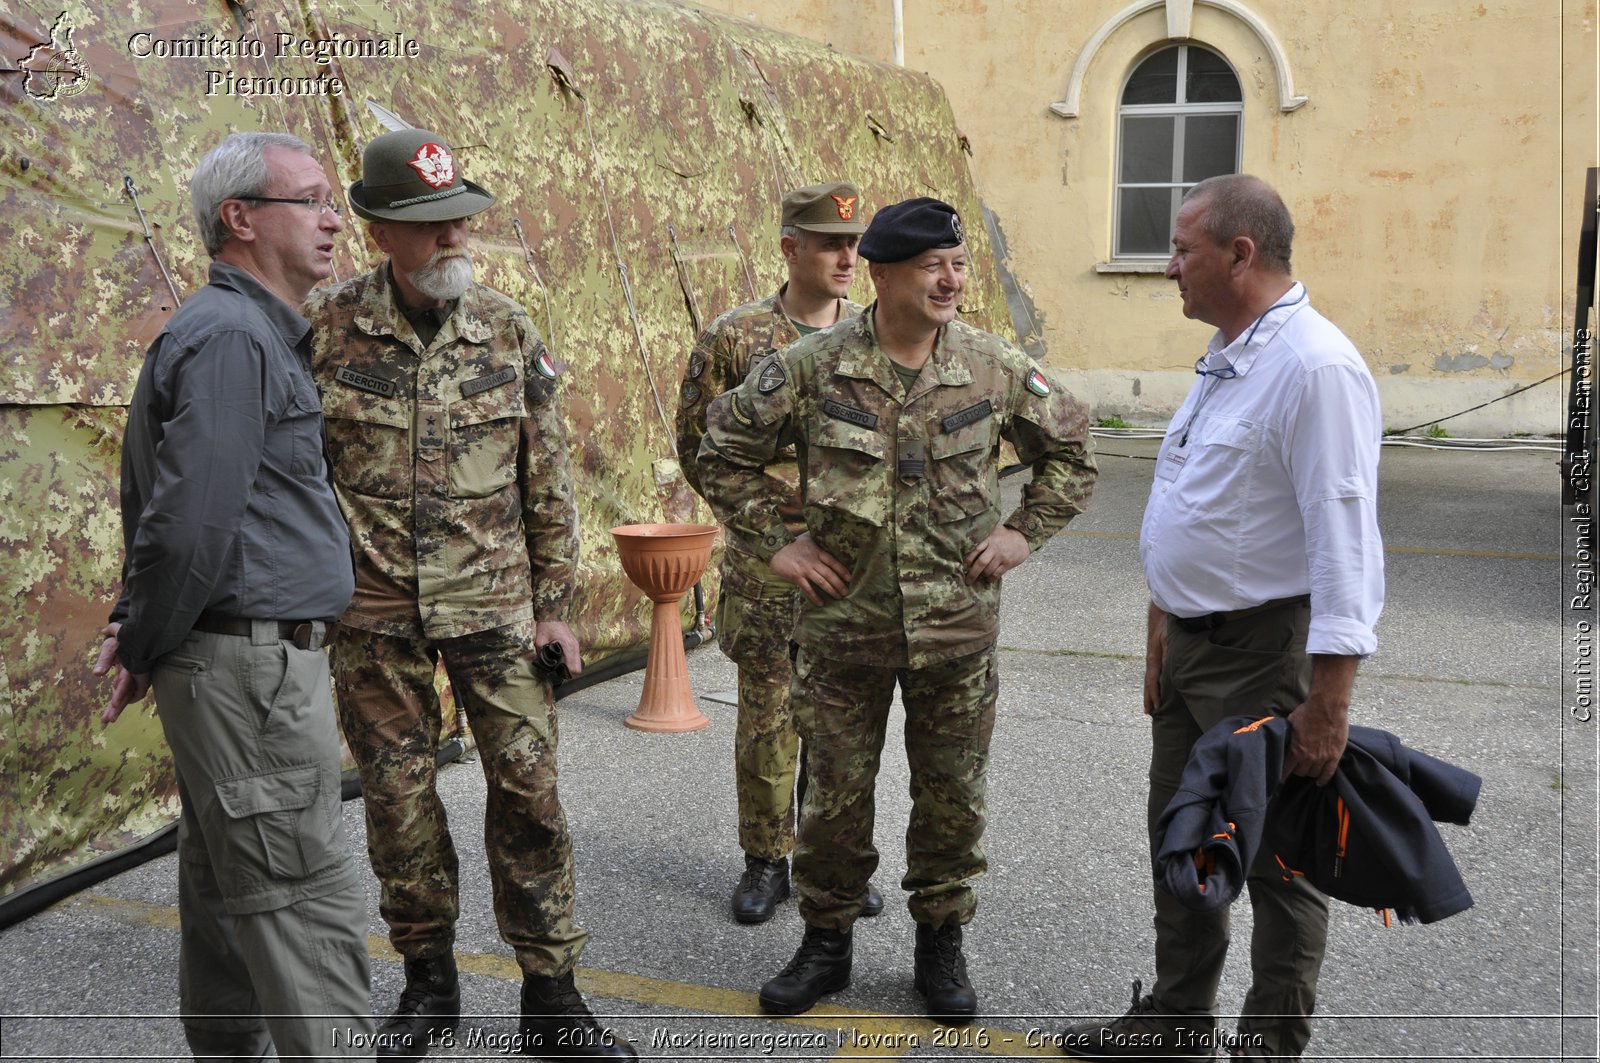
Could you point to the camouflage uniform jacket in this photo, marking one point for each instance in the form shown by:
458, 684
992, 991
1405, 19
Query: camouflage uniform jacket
722, 357
897, 486
450, 462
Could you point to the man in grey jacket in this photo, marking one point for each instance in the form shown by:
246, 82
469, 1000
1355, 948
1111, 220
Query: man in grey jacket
236, 560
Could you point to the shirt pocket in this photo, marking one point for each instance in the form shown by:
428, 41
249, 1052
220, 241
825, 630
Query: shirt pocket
301, 423
369, 440
485, 435
1235, 433
845, 472
963, 480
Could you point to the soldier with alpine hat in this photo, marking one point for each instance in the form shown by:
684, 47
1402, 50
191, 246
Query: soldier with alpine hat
896, 418
449, 458
819, 227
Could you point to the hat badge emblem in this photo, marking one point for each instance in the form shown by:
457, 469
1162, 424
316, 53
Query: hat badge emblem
434, 165
847, 207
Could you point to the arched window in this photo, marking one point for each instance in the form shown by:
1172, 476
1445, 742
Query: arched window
1178, 124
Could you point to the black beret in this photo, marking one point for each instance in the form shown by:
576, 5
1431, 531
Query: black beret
911, 227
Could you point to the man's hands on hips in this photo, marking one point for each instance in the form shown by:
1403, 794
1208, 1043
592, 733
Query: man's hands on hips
548, 631
1001, 551
127, 687
812, 569
1321, 727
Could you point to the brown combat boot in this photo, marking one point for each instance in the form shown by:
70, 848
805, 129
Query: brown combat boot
1143, 1033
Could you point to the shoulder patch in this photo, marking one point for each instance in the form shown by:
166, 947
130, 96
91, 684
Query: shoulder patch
697, 365
740, 414
771, 378
545, 366
1037, 384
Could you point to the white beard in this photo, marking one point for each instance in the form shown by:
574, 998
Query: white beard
447, 275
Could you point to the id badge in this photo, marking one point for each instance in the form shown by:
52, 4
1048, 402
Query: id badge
1172, 462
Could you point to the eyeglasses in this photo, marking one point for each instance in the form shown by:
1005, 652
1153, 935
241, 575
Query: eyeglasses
1227, 372
315, 206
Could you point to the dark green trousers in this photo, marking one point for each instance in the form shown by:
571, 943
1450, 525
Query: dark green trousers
1255, 665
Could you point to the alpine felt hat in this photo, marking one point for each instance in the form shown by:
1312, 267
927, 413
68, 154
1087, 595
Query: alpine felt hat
412, 175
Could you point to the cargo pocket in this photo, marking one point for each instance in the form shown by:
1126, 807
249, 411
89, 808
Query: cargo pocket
277, 822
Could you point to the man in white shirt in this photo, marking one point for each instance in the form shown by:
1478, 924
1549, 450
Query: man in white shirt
1261, 549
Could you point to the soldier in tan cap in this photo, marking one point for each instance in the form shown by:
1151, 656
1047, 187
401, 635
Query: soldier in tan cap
896, 417
820, 227
449, 457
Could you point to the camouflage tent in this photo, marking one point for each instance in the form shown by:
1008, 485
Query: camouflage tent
638, 150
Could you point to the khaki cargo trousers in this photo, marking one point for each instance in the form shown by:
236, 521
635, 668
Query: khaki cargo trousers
273, 914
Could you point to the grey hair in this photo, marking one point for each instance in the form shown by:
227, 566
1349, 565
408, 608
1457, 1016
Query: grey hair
794, 232
1238, 204
233, 169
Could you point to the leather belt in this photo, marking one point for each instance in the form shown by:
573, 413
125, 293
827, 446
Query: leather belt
302, 633
1194, 625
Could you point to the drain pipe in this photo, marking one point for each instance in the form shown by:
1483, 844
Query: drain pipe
899, 35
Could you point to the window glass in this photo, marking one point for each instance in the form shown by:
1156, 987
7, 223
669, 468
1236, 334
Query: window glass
1210, 79
1147, 148
1144, 226
1210, 145
1155, 80
1181, 121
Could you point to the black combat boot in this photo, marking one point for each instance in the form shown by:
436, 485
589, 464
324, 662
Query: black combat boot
941, 974
762, 887
429, 1006
557, 1024
821, 965
872, 903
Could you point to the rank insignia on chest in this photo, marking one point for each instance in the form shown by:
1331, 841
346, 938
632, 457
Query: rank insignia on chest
545, 365
478, 385
1037, 384
377, 385
771, 378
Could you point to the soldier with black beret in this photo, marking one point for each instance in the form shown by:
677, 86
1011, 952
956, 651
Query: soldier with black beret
896, 419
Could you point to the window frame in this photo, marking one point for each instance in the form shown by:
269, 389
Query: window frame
1146, 261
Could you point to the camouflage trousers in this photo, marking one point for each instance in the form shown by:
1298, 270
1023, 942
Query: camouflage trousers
842, 711
755, 617
391, 718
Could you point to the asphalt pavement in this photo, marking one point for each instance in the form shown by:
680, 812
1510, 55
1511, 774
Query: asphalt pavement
1470, 669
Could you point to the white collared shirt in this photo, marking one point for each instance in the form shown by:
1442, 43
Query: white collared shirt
1266, 484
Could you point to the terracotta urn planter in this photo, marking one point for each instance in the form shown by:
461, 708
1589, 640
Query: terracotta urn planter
663, 561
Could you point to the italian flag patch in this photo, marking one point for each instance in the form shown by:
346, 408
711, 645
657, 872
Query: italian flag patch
1038, 384
545, 366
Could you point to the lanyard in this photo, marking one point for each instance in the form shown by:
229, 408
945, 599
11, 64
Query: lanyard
1228, 372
